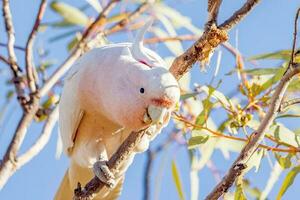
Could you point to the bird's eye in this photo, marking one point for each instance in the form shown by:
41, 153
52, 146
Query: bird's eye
142, 90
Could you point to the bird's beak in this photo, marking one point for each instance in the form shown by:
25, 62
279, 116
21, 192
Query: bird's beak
155, 115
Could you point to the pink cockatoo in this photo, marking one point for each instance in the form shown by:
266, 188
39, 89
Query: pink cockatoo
110, 92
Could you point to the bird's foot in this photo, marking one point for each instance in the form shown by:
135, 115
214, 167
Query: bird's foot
102, 171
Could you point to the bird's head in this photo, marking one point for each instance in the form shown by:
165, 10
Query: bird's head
147, 91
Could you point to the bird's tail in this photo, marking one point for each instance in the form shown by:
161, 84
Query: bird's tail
64, 191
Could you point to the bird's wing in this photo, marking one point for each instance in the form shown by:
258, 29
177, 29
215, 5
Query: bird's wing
70, 113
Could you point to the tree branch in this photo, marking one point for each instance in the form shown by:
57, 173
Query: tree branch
123, 153
213, 11
41, 141
65, 66
15, 46
238, 15
295, 36
32, 77
9, 163
288, 103
240, 163
200, 51
16, 71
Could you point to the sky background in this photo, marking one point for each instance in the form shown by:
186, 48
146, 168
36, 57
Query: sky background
268, 28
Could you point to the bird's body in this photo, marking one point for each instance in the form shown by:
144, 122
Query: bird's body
110, 92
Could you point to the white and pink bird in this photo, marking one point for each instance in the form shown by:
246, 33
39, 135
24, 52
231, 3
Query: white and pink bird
110, 92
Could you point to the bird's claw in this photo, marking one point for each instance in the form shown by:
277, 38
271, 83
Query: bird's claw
102, 171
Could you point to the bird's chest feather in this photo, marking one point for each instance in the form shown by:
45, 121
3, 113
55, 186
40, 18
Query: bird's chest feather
97, 135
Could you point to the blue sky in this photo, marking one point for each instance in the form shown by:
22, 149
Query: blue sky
268, 28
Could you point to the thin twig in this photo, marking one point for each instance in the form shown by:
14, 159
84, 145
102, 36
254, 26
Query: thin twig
42, 140
16, 71
238, 15
291, 149
3, 59
15, 46
292, 61
65, 66
32, 77
213, 11
120, 25
288, 103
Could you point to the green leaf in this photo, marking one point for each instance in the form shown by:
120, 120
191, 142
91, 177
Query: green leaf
74, 42
197, 140
288, 181
285, 162
177, 180
62, 23
239, 194
203, 116
294, 85
188, 95
255, 89
273, 80
9, 94
70, 14
252, 191
261, 71
278, 55
225, 102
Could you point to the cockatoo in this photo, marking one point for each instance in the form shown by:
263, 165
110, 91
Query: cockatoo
108, 93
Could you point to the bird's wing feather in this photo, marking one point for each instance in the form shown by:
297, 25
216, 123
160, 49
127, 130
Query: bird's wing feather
70, 111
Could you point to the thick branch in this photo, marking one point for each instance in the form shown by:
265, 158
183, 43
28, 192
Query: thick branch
8, 165
30, 68
123, 152
200, 51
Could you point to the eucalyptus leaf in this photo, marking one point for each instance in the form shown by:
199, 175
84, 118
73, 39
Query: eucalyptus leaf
288, 181
278, 55
70, 14
197, 140
177, 181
